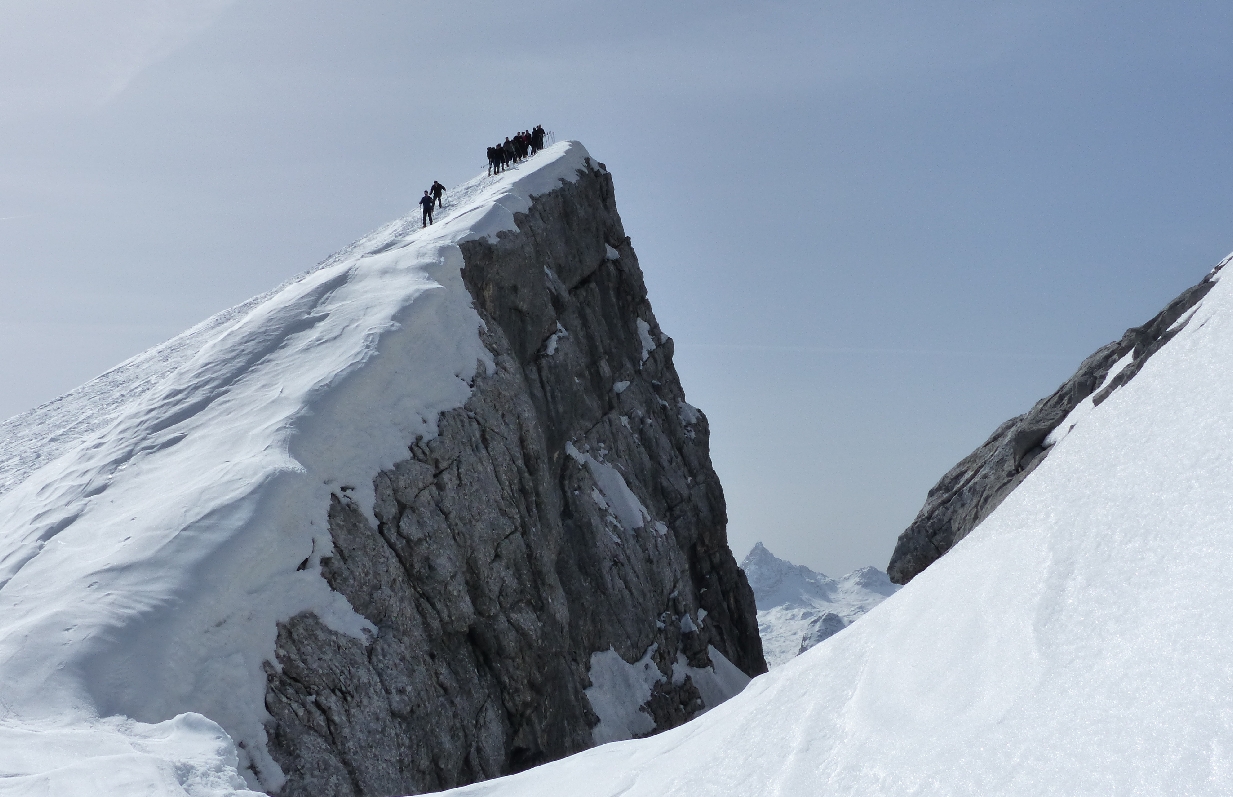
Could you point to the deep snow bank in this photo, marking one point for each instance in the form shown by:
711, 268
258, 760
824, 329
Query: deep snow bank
1075, 643
156, 524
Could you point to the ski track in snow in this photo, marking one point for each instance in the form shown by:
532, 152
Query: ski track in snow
1076, 642
160, 520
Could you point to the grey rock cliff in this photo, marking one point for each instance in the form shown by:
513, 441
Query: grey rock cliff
971, 490
568, 509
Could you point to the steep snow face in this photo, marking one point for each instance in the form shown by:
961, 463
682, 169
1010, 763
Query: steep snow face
1076, 642
157, 523
798, 608
973, 488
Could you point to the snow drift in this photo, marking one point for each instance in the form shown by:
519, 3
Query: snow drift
1076, 642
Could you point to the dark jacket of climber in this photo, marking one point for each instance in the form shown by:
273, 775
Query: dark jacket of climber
426, 202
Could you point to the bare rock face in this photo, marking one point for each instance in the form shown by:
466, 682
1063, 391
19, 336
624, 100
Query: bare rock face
971, 490
568, 511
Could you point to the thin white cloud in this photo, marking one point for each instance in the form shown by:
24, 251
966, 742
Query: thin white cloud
70, 56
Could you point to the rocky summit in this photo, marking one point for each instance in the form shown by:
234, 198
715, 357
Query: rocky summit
432, 512
568, 510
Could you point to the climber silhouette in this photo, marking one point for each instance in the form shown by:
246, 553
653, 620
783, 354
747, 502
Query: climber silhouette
426, 202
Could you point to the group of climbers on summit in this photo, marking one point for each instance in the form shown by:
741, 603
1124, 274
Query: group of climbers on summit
528, 142
500, 157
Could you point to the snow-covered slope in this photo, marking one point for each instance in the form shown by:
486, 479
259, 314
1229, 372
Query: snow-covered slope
977, 484
1076, 642
157, 523
798, 608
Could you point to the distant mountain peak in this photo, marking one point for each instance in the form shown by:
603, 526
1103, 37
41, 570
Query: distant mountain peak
798, 607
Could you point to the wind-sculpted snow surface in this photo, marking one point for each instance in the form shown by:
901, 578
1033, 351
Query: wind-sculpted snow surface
195, 593
1076, 642
798, 608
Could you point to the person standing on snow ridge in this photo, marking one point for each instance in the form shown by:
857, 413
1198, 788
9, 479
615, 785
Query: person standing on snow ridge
426, 202
437, 191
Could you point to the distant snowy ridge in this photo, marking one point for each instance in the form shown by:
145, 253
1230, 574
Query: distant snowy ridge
156, 524
1076, 642
798, 608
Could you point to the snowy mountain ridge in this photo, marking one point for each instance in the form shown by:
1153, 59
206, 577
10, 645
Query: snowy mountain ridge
798, 608
166, 525
434, 511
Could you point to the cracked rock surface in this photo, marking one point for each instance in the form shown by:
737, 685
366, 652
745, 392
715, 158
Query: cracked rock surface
975, 487
569, 508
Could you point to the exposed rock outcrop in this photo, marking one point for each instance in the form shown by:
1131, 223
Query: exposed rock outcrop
567, 511
981, 481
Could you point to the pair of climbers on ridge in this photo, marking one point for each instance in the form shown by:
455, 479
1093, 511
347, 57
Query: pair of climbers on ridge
430, 200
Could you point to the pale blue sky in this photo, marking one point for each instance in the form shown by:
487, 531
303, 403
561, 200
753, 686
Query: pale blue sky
875, 230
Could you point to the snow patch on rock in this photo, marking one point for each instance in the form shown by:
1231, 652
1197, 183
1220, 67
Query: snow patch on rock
648, 343
554, 340
618, 499
717, 683
618, 692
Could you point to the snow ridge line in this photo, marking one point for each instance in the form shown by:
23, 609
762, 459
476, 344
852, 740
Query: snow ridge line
174, 530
